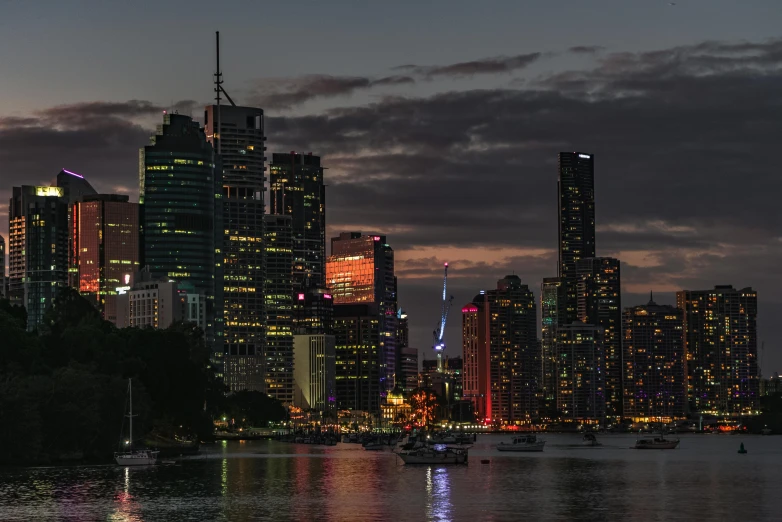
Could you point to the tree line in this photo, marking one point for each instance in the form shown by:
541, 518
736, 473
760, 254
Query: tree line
63, 388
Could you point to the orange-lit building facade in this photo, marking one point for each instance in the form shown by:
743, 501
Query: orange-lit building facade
475, 354
105, 254
350, 270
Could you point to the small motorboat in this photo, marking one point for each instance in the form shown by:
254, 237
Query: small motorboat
656, 443
433, 455
522, 443
589, 439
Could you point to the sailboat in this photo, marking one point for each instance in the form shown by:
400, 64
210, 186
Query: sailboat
133, 457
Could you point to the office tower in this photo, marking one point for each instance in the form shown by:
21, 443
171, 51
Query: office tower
599, 304
552, 310
357, 338
408, 370
38, 248
313, 311
179, 201
296, 189
237, 135
514, 361
576, 222
277, 356
402, 330
75, 186
580, 382
475, 354
105, 249
655, 382
720, 340
2, 268
159, 304
314, 372
360, 270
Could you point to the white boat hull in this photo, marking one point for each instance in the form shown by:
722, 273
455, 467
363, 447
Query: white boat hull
143, 458
537, 446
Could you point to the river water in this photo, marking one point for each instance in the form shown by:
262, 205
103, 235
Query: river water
704, 479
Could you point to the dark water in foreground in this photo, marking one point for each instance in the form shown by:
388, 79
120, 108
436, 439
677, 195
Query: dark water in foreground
705, 479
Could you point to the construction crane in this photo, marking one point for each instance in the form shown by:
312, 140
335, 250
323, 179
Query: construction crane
439, 345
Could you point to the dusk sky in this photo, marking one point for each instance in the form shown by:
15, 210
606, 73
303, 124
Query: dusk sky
440, 124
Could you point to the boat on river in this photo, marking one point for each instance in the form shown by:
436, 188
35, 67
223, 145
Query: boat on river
589, 439
131, 457
656, 443
434, 455
522, 443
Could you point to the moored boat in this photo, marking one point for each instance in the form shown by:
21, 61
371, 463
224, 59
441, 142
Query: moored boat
589, 439
522, 443
132, 457
431, 455
656, 443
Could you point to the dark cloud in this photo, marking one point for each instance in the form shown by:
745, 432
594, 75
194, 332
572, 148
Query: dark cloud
586, 49
495, 65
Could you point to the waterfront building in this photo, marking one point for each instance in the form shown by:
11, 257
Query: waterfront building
720, 338
357, 338
297, 190
396, 410
38, 248
179, 200
360, 270
159, 304
552, 312
475, 354
3, 283
514, 362
314, 372
313, 311
580, 382
408, 370
600, 304
277, 357
576, 189
105, 249
771, 386
655, 383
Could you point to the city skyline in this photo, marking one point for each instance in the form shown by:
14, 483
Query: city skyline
673, 224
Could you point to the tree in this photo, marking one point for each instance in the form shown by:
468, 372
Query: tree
424, 403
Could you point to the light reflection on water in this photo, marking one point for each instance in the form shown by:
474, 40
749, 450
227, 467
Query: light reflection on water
704, 479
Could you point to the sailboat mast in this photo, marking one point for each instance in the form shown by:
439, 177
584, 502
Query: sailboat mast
130, 394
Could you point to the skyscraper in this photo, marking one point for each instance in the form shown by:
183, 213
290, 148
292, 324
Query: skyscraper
357, 338
655, 382
277, 357
552, 311
360, 270
576, 222
580, 383
237, 135
721, 343
315, 372
475, 353
179, 200
105, 249
514, 361
600, 304
297, 190
75, 186
2, 267
38, 248
408, 370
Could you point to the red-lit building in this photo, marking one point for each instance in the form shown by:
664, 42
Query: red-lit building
475, 353
105, 254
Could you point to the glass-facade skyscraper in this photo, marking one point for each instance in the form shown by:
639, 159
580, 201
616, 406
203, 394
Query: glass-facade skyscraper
576, 189
360, 270
179, 199
580, 380
237, 134
721, 345
105, 253
600, 304
277, 368
297, 190
552, 310
38, 248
